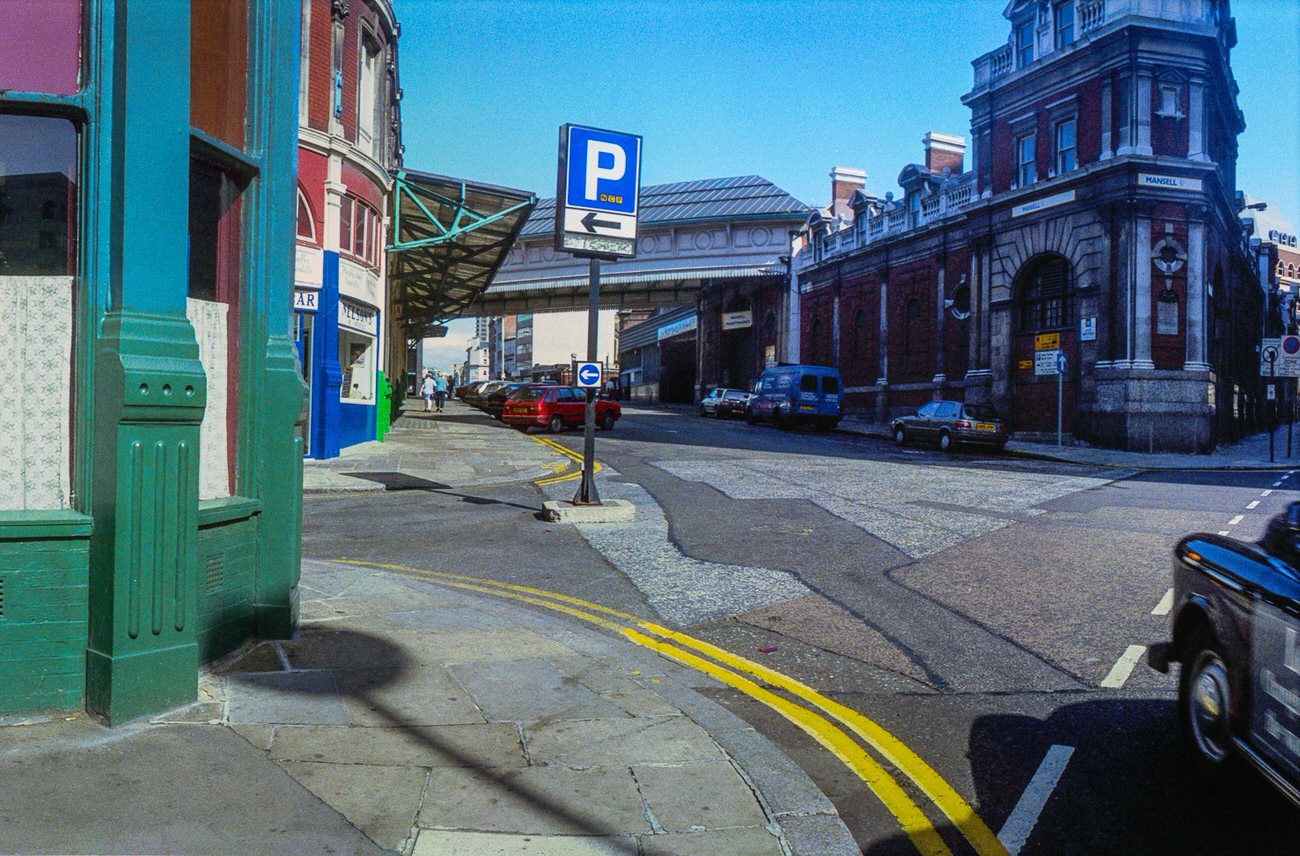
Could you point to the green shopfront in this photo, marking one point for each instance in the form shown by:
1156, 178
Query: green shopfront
150, 473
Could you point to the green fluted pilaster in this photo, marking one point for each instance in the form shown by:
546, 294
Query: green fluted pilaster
273, 451
148, 390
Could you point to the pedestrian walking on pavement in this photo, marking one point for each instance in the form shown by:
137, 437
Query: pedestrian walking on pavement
427, 387
440, 390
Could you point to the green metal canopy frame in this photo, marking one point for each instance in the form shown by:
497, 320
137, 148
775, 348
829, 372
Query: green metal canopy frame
449, 238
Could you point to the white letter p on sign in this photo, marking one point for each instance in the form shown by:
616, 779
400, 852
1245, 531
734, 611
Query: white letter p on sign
595, 172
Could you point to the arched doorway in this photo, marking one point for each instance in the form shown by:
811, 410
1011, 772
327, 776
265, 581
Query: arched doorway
1043, 323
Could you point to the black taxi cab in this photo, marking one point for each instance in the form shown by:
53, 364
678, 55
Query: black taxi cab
1236, 633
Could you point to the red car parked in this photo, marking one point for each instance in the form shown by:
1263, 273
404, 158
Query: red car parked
556, 408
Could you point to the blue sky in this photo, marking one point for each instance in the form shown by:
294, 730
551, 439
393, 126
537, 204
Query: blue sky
785, 90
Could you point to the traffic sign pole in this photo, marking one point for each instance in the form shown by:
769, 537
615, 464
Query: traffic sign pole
587, 494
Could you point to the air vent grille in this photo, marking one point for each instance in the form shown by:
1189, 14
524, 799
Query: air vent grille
215, 573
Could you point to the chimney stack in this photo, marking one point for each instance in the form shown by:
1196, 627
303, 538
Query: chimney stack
845, 180
944, 150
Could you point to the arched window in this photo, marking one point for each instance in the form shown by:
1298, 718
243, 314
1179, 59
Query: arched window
306, 222
1045, 299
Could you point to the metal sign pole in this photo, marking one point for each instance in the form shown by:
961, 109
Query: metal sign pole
587, 488
1272, 409
1059, 376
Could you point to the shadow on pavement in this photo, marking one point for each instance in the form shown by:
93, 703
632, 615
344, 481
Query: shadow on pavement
386, 662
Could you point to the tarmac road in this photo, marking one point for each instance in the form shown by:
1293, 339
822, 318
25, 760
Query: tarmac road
987, 611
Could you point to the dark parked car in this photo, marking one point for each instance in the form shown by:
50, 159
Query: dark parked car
478, 396
1235, 630
466, 389
495, 401
949, 423
556, 408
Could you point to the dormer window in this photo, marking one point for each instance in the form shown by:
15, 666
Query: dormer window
1024, 44
1064, 14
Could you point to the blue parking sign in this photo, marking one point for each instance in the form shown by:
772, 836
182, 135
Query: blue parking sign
604, 170
598, 183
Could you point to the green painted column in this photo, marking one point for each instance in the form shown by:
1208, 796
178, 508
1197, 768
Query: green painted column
275, 391
149, 389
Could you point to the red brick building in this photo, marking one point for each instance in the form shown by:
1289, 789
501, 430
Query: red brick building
1095, 215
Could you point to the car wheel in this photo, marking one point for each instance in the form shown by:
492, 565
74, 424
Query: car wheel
704, 414
607, 421
1205, 703
900, 436
750, 418
556, 425
945, 441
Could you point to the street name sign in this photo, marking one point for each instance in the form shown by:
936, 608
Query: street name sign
588, 375
597, 191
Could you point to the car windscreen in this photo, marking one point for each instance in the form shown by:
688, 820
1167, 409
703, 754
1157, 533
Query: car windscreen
980, 411
734, 395
528, 394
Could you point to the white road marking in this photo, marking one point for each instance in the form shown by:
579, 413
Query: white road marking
1277, 484
1016, 831
1223, 532
1123, 667
1266, 493
1252, 504
1166, 603
1234, 521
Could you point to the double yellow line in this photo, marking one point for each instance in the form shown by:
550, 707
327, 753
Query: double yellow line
568, 453
817, 716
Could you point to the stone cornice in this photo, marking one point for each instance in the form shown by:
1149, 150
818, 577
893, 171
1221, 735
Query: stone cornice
327, 144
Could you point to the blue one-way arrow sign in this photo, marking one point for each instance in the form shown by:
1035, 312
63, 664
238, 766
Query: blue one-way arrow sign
589, 375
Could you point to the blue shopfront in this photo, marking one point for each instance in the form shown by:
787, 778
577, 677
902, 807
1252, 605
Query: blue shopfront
337, 335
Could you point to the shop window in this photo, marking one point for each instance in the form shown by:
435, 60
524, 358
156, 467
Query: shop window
46, 57
1045, 300
1026, 169
38, 252
306, 221
219, 68
1065, 146
1024, 44
356, 358
1064, 15
213, 311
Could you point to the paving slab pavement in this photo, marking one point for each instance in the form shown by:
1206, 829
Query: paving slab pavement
382, 727
458, 448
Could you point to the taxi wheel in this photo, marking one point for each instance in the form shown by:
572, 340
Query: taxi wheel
1205, 703
556, 425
